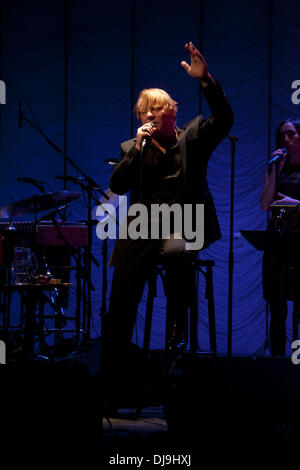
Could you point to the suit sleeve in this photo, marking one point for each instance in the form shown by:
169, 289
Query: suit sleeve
125, 174
213, 130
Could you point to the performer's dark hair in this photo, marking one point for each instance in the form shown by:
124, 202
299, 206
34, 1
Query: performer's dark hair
295, 122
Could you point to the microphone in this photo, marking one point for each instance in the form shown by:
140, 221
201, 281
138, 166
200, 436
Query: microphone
145, 139
20, 112
111, 161
277, 156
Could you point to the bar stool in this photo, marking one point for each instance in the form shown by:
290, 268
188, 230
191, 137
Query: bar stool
198, 265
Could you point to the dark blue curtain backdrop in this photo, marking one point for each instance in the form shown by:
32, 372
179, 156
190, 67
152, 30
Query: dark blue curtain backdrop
79, 67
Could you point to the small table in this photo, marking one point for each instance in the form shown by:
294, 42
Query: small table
31, 295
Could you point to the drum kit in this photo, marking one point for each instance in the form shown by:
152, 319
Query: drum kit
39, 203
25, 266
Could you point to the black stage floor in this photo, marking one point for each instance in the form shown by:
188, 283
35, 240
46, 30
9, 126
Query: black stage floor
143, 437
215, 409
189, 408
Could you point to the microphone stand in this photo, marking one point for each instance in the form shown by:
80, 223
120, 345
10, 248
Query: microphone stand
89, 188
233, 140
104, 251
142, 156
88, 256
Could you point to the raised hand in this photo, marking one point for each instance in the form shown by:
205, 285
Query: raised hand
198, 67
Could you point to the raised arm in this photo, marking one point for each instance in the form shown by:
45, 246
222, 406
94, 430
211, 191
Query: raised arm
213, 130
268, 193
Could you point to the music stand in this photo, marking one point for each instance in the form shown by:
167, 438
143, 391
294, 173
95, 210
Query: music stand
268, 240
282, 242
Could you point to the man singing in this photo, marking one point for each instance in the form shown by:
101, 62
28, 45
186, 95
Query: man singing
164, 165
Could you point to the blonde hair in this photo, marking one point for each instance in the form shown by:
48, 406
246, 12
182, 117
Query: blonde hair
150, 97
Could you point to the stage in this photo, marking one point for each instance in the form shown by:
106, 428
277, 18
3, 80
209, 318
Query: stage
186, 405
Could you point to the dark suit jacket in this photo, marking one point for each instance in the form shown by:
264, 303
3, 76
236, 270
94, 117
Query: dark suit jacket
196, 142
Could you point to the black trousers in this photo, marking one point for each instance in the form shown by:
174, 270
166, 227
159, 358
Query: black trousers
130, 276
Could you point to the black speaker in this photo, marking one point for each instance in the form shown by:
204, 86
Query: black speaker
224, 400
56, 407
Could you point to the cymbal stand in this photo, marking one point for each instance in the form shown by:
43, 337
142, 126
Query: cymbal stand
88, 257
90, 187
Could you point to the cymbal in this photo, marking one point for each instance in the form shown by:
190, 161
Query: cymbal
38, 203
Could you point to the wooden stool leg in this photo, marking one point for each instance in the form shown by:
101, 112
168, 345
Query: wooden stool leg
194, 313
211, 309
149, 311
147, 331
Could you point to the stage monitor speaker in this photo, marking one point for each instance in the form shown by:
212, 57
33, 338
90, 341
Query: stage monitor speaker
54, 407
211, 399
